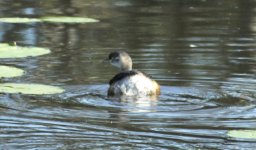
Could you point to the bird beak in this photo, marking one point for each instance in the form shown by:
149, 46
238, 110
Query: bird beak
106, 60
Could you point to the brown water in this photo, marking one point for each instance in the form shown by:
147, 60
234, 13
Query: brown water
202, 52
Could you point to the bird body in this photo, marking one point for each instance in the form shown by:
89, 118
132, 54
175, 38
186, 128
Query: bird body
130, 82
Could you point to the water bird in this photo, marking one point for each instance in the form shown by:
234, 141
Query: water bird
129, 82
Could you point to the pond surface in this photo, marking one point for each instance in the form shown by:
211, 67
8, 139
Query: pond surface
202, 52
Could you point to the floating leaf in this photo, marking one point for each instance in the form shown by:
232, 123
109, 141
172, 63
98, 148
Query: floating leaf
62, 19
8, 72
4, 45
19, 20
25, 88
242, 134
7, 51
56, 19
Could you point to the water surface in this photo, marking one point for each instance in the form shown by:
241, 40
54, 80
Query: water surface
202, 52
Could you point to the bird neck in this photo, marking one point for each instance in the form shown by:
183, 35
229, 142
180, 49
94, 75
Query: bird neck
126, 68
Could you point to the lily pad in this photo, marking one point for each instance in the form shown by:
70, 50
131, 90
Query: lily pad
19, 20
26, 88
4, 44
7, 51
53, 19
62, 19
8, 72
242, 134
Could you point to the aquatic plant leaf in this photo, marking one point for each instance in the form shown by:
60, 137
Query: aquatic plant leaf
8, 72
3, 44
19, 20
242, 134
63, 19
26, 88
53, 19
7, 51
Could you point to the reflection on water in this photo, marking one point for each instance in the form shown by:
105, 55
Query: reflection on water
202, 52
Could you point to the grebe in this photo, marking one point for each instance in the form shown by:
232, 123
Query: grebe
130, 82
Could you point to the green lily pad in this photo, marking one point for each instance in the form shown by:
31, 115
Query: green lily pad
19, 20
3, 44
55, 19
63, 19
8, 72
26, 88
242, 134
7, 51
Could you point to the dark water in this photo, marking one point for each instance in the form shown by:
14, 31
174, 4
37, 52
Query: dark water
202, 52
